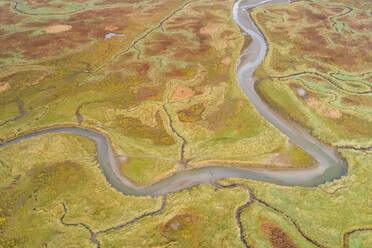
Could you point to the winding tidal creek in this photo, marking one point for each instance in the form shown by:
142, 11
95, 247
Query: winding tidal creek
331, 166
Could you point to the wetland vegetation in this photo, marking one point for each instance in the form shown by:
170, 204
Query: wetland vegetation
167, 97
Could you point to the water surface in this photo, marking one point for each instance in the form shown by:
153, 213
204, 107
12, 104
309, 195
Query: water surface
330, 164
109, 35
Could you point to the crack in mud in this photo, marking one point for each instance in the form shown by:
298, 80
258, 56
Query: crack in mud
132, 221
146, 214
334, 191
80, 117
347, 234
333, 18
362, 149
92, 234
331, 81
4, 165
293, 222
184, 142
139, 52
241, 208
147, 33
21, 113
251, 200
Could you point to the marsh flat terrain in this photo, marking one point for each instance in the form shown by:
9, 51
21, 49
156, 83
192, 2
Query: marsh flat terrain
175, 123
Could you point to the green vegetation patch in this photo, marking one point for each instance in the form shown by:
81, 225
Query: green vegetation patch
145, 170
104, 84
265, 228
360, 239
198, 217
8, 111
40, 193
280, 97
310, 208
299, 157
330, 123
318, 57
25, 222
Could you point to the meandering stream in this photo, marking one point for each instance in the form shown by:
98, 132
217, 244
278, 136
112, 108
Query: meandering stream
331, 165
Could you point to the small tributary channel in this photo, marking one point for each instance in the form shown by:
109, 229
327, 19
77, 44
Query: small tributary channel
331, 166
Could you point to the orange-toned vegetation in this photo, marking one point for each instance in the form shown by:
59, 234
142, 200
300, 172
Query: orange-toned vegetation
192, 113
4, 86
58, 28
183, 93
184, 225
174, 53
329, 39
310, 41
87, 26
277, 237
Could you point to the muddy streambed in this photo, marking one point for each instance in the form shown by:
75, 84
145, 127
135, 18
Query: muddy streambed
331, 166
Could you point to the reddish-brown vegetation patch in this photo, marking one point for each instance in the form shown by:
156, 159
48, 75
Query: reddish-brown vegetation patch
326, 111
358, 100
83, 28
277, 237
310, 41
362, 16
184, 225
172, 71
218, 119
139, 68
104, 14
148, 93
189, 48
7, 17
226, 34
2, 31
367, 5
162, 43
191, 114
349, 101
362, 25
135, 128
156, 8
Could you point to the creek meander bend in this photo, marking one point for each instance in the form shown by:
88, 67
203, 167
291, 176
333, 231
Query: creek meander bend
331, 165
